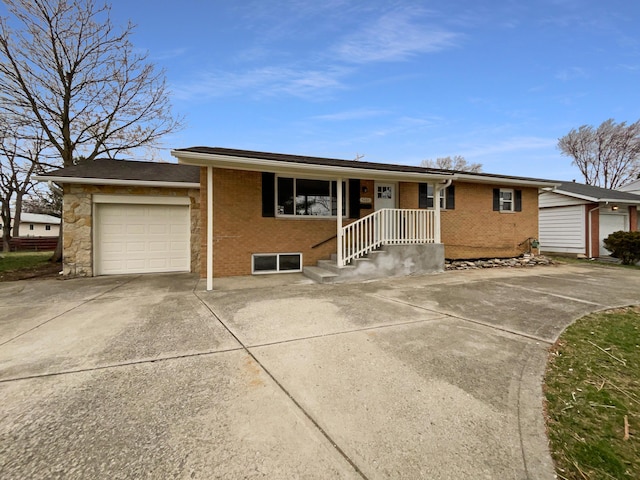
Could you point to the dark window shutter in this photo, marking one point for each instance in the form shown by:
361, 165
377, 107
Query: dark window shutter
423, 200
268, 194
450, 193
518, 201
496, 199
354, 198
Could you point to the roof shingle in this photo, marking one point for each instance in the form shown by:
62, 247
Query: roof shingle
110, 169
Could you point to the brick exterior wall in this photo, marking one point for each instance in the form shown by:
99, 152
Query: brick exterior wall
77, 221
474, 230
408, 195
471, 230
240, 230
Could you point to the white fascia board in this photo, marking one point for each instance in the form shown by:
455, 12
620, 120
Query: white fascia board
292, 168
575, 195
497, 180
617, 200
598, 200
140, 199
110, 181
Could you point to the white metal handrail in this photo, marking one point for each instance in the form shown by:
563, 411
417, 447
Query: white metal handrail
388, 226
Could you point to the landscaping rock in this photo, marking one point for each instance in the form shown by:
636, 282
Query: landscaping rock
517, 262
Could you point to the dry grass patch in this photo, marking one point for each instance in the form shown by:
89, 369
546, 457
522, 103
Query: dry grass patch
592, 388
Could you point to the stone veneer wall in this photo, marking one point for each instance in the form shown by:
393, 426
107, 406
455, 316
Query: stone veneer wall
77, 222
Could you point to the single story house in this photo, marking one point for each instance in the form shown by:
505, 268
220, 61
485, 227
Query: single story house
226, 212
575, 218
37, 225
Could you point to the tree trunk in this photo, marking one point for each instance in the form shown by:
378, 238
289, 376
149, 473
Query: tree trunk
57, 254
17, 215
5, 240
5, 218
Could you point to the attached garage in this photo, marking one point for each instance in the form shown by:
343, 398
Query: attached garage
141, 235
129, 217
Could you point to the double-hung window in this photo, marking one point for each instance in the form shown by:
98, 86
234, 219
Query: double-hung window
447, 197
308, 197
507, 200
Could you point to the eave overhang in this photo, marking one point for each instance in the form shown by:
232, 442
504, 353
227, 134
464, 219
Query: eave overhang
114, 182
588, 198
235, 162
293, 168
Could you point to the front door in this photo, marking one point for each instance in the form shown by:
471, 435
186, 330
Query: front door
385, 195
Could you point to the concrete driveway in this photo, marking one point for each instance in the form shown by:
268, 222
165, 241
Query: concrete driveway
433, 377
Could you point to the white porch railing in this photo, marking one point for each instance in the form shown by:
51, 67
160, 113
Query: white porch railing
388, 226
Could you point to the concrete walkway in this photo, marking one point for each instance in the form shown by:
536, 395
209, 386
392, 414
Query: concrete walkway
433, 377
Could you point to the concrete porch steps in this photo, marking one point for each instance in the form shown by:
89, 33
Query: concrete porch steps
320, 275
389, 261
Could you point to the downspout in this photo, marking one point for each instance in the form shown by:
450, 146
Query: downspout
436, 208
209, 228
339, 237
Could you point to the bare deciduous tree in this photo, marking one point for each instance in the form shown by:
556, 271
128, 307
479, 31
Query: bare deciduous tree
20, 156
607, 156
457, 162
64, 67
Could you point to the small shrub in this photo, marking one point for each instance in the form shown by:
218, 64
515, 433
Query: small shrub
625, 246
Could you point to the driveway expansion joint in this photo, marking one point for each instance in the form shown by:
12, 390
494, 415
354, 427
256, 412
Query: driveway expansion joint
326, 435
121, 364
551, 294
83, 302
471, 320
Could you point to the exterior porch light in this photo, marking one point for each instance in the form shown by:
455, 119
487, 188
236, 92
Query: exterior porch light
614, 207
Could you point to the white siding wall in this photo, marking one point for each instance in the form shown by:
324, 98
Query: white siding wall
562, 229
550, 199
39, 230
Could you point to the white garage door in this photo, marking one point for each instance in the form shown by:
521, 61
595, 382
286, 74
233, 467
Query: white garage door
142, 238
609, 223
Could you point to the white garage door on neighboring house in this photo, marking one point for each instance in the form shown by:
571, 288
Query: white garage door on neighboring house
609, 223
141, 237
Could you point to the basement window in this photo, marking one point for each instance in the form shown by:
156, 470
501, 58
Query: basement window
276, 263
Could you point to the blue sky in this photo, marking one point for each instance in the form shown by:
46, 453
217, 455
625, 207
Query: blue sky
396, 81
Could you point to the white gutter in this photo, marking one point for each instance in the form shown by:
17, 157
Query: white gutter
308, 169
499, 180
111, 181
595, 199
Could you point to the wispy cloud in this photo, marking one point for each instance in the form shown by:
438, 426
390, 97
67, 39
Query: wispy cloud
169, 54
571, 73
393, 37
514, 144
262, 82
346, 115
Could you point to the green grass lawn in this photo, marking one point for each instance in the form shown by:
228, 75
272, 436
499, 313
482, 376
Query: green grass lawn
11, 261
592, 388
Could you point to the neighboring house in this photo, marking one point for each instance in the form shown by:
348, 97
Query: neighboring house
245, 212
37, 225
632, 187
576, 218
